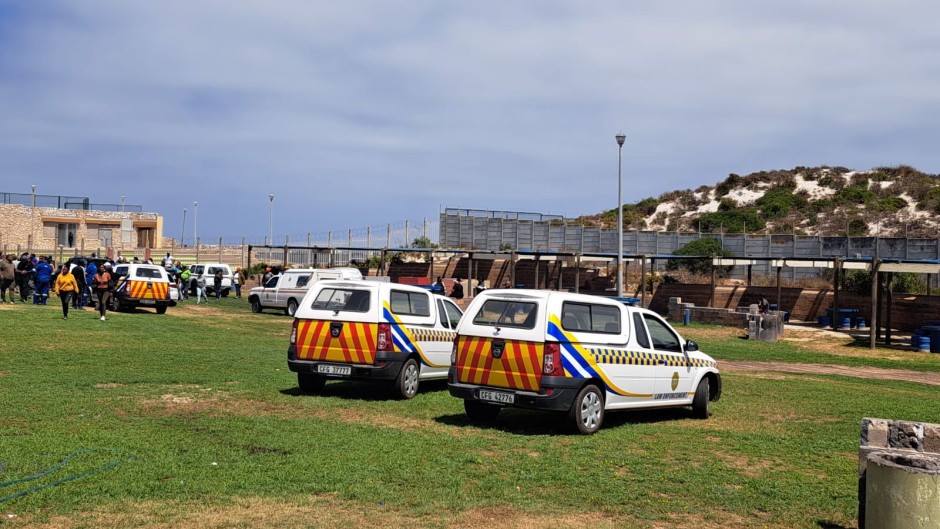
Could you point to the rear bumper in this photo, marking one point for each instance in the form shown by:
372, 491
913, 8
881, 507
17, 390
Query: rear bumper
556, 393
387, 367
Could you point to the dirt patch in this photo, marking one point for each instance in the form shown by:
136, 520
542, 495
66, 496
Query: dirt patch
109, 385
920, 377
744, 465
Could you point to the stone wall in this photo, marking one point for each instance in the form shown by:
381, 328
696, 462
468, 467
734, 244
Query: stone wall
21, 228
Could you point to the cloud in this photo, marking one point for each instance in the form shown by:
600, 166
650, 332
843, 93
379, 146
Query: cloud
364, 113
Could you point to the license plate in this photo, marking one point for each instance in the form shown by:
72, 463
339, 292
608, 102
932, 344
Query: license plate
147, 302
326, 369
497, 396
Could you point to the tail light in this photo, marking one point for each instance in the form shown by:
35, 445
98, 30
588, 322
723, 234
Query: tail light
384, 341
551, 360
453, 353
293, 333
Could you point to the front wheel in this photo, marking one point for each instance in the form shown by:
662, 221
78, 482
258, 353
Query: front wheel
256, 306
701, 408
310, 383
291, 308
407, 382
481, 411
587, 411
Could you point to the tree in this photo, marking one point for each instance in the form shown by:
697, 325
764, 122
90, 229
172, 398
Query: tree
707, 249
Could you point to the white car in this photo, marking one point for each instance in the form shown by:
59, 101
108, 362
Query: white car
574, 353
208, 271
374, 331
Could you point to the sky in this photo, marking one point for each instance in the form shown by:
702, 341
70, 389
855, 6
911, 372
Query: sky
363, 113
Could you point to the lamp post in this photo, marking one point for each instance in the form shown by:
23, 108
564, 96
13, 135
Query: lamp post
271, 219
32, 215
620, 139
183, 230
195, 220
122, 203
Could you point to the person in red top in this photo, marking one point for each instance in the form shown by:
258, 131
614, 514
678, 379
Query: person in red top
103, 288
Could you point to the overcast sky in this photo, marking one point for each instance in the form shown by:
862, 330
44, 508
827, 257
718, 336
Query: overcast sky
364, 113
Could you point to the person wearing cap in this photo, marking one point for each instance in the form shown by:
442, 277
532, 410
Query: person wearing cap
103, 284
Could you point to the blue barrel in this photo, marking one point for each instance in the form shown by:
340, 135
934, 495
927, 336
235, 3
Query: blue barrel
687, 317
845, 322
860, 322
920, 343
825, 321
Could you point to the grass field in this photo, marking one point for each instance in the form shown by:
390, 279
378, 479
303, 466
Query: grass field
192, 419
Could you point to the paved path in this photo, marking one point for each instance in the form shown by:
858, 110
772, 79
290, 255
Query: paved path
922, 377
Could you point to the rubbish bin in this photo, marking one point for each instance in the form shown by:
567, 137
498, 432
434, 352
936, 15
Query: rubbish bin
920, 343
687, 317
902, 490
825, 321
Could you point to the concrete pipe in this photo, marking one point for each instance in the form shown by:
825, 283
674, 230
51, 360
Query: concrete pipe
902, 491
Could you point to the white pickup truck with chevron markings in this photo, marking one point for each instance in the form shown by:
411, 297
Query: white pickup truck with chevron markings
370, 330
574, 353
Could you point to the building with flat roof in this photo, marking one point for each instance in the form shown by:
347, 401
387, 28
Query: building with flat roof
75, 224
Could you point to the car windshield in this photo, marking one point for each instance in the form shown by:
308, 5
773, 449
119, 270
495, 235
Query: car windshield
343, 299
507, 313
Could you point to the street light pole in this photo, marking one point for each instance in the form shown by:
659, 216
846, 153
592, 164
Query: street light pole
271, 219
122, 203
183, 230
195, 226
620, 139
32, 215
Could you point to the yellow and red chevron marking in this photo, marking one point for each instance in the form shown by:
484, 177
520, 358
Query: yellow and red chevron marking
147, 290
519, 367
354, 345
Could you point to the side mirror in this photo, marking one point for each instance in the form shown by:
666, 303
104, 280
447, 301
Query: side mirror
691, 346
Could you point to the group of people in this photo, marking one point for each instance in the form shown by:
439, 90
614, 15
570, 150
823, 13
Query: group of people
456, 291
76, 283
185, 280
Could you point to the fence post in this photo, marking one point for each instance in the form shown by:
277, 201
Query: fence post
241, 254
197, 249
407, 239
220, 249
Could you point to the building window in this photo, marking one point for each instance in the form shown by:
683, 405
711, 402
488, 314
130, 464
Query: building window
65, 234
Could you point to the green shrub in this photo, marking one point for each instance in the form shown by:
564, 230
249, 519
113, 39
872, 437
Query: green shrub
730, 221
708, 248
780, 201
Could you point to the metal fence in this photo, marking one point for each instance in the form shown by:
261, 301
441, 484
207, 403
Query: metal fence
65, 202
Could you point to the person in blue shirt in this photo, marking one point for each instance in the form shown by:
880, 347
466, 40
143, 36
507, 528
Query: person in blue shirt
43, 279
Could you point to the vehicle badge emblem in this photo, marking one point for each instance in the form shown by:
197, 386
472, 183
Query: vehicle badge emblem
675, 381
498, 349
336, 329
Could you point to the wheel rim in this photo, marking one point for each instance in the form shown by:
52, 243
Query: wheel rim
591, 410
291, 308
411, 379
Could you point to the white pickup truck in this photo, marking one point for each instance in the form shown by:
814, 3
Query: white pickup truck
284, 291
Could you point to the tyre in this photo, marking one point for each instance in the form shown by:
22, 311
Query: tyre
406, 385
701, 405
291, 308
310, 383
225, 293
587, 410
161, 309
481, 411
256, 306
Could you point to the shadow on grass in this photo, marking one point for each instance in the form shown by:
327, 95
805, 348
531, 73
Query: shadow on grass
365, 391
535, 422
830, 525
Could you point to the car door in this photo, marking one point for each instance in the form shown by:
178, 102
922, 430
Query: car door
268, 297
417, 328
674, 369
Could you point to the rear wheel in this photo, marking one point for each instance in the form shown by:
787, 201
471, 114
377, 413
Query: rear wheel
256, 306
407, 382
225, 293
291, 308
587, 411
481, 411
310, 383
701, 409
161, 309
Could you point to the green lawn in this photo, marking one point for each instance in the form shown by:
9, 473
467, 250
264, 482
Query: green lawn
204, 426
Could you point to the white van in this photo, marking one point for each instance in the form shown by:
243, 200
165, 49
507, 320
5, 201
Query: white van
285, 290
574, 353
369, 330
208, 271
